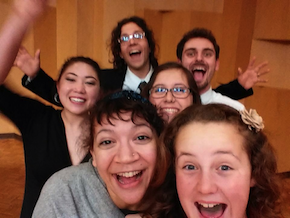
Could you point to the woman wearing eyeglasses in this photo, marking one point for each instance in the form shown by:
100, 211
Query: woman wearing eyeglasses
171, 89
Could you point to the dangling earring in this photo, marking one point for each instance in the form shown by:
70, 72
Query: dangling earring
56, 98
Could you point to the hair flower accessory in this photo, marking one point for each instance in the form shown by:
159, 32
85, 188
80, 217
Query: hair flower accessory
252, 119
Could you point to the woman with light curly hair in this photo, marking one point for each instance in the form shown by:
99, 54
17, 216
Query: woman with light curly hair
222, 166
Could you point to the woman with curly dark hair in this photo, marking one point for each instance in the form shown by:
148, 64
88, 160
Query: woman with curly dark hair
222, 166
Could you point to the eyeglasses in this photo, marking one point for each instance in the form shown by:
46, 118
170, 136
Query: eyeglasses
177, 92
126, 38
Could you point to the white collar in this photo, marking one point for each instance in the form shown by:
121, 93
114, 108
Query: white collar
132, 81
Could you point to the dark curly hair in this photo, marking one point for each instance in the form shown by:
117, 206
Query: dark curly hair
264, 196
114, 105
119, 62
197, 33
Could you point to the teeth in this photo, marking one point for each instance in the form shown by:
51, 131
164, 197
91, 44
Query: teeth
198, 68
170, 110
77, 99
208, 205
129, 174
134, 52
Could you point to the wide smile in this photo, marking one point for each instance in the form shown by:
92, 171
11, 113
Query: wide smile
211, 210
129, 178
169, 110
134, 52
77, 100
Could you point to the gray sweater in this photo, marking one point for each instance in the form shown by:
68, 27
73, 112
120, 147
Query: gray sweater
76, 191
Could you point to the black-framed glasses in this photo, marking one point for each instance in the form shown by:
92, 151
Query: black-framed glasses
177, 92
126, 38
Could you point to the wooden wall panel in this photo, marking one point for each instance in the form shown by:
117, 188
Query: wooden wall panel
273, 20
273, 105
277, 53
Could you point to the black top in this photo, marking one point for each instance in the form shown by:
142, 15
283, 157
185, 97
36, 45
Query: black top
44, 141
112, 80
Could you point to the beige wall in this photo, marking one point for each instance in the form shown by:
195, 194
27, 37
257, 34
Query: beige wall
243, 28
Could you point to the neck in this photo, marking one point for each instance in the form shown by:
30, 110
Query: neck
204, 90
73, 120
142, 72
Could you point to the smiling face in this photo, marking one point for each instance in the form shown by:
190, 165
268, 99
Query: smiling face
125, 156
199, 57
78, 88
213, 172
135, 52
169, 106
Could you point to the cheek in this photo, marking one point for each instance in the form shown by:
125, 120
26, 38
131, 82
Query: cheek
186, 102
154, 101
102, 160
94, 94
183, 185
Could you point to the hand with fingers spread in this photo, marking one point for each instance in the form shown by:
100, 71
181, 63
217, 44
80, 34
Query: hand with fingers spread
252, 75
26, 63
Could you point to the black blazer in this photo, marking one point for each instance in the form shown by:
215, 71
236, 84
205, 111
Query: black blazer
112, 80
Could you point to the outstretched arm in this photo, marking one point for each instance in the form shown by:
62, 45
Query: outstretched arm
242, 87
35, 79
22, 15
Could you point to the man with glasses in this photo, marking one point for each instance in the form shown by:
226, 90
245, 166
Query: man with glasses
134, 59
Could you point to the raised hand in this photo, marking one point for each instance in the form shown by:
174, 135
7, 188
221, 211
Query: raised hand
26, 63
253, 74
12, 32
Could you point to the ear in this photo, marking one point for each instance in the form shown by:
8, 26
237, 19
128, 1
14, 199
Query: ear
57, 87
217, 65
93, 157
252, 182
179, 61
120, 54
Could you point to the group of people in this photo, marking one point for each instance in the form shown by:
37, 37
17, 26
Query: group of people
173, 147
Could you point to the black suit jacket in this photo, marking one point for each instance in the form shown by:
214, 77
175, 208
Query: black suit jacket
112, 80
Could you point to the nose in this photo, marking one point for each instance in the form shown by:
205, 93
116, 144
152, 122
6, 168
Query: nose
132, 41
80, 87
126, 154
199, 57
169, 96
206, 183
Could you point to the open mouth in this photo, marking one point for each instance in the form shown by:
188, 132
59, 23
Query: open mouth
134, 52
169, 110
198, 72
129, 177
77, 100
211, 210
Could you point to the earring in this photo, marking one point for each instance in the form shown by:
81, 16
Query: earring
56, 98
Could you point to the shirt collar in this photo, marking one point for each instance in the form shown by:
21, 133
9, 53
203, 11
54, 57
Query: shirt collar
132, 81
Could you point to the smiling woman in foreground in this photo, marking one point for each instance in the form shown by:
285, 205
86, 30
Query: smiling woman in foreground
126, 160
223, 163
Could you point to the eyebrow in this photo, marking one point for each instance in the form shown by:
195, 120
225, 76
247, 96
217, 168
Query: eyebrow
134, 127
136, 31
194, 49
215, 153
176, 84
86, 77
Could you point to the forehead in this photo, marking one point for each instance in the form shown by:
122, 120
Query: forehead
121, 120
130, 28
81, 68
170, 77
198, 44
206, 139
